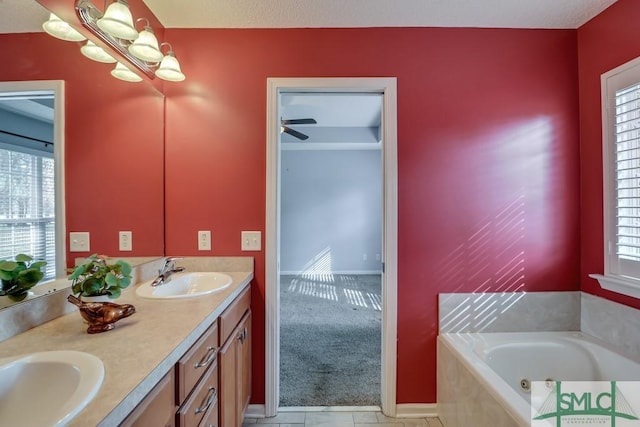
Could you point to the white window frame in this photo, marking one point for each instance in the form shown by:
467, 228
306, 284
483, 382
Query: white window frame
57, 86
620, 275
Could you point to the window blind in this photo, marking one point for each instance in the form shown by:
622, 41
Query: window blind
27, 207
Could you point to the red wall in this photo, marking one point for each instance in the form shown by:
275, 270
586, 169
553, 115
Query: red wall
113, 144
607, 41
488, 159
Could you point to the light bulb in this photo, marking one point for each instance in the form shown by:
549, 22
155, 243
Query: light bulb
92, 51
118, 22
123, 73
169, 68
57, 28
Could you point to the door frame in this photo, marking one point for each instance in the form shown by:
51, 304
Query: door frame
387, 86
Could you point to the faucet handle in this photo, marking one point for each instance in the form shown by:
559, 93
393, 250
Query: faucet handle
169, 264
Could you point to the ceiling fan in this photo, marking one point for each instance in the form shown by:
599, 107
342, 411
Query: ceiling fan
284, 128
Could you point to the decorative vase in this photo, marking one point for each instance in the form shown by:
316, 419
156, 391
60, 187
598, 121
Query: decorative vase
101, 316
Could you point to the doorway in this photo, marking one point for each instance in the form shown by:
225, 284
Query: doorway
386, 88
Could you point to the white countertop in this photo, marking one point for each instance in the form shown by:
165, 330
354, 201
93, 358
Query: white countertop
137, 353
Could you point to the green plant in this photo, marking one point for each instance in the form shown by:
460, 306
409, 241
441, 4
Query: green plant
19, 276
98, 277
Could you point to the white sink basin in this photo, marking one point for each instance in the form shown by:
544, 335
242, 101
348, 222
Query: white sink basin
186, 285
48, 388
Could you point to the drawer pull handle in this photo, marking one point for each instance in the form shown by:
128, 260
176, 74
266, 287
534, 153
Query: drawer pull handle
211, 354
210, 398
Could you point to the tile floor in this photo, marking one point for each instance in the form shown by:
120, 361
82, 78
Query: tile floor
339, 419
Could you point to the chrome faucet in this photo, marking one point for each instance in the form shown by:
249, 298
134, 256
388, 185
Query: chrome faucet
168, 268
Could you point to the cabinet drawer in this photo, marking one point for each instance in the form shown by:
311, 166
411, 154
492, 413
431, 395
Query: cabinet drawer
203, 399
195, 362
231, 316
211, 417
157, 409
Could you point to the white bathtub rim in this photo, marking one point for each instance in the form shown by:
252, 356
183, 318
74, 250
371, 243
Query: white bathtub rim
484, 374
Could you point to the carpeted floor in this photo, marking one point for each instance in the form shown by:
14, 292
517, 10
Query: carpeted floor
330, 338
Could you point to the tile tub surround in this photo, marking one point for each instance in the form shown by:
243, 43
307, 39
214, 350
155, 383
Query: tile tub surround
140, 350
462, 400
612, 322
509, 312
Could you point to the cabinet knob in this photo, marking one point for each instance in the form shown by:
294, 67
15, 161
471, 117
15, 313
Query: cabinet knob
242, 335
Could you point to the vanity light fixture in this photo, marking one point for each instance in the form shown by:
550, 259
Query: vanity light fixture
56, 27
123, 73
112, 31
117, 21
95, 52
145, 47
137, 52
169, 68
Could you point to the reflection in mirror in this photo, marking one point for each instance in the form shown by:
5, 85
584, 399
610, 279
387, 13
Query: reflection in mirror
31, 176
113, 135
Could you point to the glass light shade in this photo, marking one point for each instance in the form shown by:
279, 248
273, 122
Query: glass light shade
169, 69
145, 47
92, 51
56, 27
118, 22
123, 73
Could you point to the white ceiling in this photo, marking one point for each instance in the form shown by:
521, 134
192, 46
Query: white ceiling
333, 109
18, 16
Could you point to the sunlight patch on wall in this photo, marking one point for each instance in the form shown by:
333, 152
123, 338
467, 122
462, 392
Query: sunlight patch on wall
320, 267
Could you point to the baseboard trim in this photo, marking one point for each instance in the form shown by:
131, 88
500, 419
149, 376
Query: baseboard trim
256, 411
416, 410
322, 273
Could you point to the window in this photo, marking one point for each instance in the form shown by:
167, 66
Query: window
31, 172
621, 157
27, 206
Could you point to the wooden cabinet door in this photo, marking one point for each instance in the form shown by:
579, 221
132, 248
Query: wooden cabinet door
244, 365
227, 396
158, 408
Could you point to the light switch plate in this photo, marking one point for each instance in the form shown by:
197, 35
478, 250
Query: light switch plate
79, 241
251, 241
204, 240
125, 242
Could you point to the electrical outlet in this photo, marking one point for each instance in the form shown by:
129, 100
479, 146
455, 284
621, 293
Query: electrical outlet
251, 241
79, 241
377, 257
204, 240
364, 257
125, 242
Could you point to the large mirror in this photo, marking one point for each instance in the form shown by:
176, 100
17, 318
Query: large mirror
113, 137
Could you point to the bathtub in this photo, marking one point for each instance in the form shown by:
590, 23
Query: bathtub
482, 377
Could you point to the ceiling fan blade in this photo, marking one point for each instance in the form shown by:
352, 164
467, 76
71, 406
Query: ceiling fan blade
299, 122
294, 133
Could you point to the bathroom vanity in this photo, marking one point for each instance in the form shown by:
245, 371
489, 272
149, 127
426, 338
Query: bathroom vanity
195, 392
183, 362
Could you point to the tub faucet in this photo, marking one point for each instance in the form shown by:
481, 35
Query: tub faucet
168, 268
